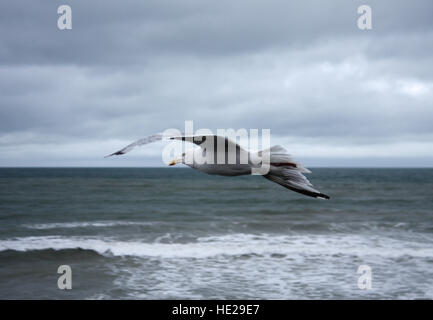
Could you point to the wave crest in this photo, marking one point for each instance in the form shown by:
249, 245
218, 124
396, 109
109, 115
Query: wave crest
232, 245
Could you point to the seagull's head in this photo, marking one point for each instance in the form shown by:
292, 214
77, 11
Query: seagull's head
177, 160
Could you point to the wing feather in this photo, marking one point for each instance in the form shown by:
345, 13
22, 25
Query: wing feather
140, 142
196, 139
293, 179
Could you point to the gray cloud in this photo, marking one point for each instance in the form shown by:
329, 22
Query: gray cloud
129, 69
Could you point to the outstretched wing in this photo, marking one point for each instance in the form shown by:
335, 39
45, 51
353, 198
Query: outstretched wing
203, 141
143, 141
293, 179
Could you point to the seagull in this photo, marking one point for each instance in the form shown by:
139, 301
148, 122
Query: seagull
282, 168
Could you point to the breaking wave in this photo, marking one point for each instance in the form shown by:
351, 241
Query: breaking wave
230, 245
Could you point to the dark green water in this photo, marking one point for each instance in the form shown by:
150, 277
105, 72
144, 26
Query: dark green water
158, 233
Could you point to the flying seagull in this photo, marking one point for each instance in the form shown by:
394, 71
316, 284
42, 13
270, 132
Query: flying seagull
282, 170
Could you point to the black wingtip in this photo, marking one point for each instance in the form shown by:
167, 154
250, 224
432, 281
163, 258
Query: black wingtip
323, 196
115, 154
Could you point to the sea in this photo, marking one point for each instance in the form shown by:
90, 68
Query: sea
175, 233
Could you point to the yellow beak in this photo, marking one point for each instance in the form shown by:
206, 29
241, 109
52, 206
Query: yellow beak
175, 161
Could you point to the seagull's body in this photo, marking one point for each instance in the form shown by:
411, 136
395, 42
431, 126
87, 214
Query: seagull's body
229, 170
282, 168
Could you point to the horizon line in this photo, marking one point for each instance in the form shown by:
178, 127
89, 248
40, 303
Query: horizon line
166, 167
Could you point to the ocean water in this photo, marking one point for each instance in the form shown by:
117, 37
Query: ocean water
173, 233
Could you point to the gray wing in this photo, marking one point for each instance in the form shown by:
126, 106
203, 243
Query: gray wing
200, 140
143, 141
293, 179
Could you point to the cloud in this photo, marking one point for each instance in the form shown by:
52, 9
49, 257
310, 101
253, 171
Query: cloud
129, 69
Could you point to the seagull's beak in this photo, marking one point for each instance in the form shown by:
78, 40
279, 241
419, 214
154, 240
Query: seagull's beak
175, 161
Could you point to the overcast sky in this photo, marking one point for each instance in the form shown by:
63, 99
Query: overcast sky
332, 94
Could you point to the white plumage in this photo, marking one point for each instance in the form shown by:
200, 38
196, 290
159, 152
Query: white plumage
283, 169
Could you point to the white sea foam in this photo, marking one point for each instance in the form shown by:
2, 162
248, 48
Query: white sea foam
232, 245
86, 224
